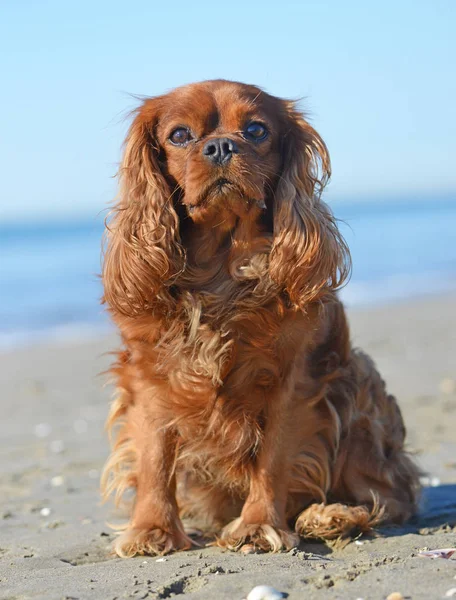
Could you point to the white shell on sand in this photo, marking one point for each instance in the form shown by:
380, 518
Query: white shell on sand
439, 553
57, 481
264, 592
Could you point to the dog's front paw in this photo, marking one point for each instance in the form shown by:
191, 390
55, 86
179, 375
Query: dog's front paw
263, 537
133, 542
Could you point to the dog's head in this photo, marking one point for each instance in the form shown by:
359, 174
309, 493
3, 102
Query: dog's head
218, 152
221, 144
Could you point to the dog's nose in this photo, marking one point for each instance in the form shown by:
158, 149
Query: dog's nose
220, 150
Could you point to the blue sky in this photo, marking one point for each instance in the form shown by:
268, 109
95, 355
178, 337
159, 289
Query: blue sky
378, 79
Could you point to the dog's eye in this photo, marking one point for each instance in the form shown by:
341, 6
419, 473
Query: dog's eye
180, 136
256, 132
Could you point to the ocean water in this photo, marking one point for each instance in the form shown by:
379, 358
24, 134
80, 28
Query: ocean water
49, 285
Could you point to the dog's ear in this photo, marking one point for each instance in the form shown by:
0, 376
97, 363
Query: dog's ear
143, 251
309, 255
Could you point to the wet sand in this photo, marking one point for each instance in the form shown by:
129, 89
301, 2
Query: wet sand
54, 541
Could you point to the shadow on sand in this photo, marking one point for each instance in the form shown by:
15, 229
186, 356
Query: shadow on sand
438, 506
437, 509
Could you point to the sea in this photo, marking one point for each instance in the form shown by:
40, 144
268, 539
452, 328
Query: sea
49, 271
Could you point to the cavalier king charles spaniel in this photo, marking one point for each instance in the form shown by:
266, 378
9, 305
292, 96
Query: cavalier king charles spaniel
241, 402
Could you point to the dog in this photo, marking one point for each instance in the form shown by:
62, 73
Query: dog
241, 402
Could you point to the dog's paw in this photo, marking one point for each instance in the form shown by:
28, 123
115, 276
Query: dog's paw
133, 542
262, 537
332, 521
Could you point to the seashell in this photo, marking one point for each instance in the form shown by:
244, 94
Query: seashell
265, 592
395, 596
57, 481
440, 553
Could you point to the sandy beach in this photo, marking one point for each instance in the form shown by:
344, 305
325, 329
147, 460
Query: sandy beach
54, 540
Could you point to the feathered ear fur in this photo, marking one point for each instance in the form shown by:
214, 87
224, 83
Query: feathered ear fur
309, 255
143, 251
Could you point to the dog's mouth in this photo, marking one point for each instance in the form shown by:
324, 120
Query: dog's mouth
219, 187
224, 189
221, 183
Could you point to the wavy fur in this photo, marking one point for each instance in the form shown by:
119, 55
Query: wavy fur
143, 251
241, 403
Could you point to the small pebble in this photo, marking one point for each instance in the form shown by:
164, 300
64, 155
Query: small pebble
264, 592
42, 430
359, 543
57, 481
395, 596
57, 446
162, 559
450, 593
45, 512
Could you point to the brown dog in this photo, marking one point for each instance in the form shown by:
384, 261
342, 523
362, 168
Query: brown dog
241, 400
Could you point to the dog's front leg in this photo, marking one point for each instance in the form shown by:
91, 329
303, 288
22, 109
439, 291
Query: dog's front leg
262, 521
155, 526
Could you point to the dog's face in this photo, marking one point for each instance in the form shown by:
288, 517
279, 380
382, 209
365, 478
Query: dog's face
230, 158
221, 144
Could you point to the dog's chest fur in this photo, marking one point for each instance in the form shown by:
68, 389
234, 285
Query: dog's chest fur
220, 360
235, 354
